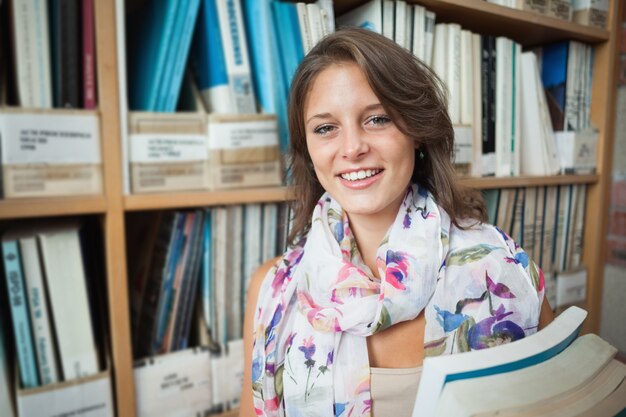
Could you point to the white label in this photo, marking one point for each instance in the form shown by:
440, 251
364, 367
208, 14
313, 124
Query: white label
86, 399
151, 147
180, 384
463, 144
571, 287
591, 4
239, 135
49, 139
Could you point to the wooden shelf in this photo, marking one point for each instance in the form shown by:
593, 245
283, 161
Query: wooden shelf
527, 28
58, 206
205, 198
528, 181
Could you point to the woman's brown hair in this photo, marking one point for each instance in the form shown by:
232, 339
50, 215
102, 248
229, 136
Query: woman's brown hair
414, 97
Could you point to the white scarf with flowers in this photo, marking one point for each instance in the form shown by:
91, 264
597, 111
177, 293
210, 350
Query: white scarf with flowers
317, 306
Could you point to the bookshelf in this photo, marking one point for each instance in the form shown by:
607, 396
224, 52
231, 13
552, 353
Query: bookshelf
527, 28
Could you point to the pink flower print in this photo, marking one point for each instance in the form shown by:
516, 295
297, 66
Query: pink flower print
271, 404
397, 269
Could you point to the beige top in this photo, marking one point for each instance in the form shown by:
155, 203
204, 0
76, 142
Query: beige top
394, 390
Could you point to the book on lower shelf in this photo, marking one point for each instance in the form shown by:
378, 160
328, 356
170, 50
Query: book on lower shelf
551, 370
51, 288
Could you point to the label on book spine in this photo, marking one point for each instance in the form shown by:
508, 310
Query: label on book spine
248, 134
151, 147
36, 138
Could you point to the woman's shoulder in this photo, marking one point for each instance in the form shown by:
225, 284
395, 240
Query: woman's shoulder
258, 276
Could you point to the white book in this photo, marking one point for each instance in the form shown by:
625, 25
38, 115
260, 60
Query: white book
418, 44
429, 36
453, 72
236, 55
504, 73
234, 279
388, 19
38, 307
368, 15
534, 159
579, 228
466, 70
531, 350
400, 23
305, 28
516, 104
120, 38
315, 23
327, 12
477, 112
270, 212
440, 47
219, 247
32, 53
251, 244
67, 288
527, 388
539, 225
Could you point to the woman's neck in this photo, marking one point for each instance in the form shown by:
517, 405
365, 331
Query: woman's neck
368, 234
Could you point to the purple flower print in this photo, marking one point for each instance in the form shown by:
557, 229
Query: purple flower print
406, 223
494, 331
308, 348
498, 289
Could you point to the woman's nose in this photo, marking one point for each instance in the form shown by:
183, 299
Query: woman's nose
354, 144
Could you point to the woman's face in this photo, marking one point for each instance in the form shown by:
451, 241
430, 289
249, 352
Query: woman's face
360, 156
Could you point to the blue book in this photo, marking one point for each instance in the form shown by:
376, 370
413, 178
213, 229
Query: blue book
529, 351
206, 289
166, 296
208, 63
554, 78
149, 30
18, 302
177, 56
289, 39
267, 71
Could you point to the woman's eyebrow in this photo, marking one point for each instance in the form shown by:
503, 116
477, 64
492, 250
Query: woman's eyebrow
319, 116
373, 106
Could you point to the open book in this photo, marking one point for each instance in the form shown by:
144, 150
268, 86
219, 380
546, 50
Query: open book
525, 377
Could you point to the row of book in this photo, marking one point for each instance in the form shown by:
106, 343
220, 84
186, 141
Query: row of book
548, 223
52, 44
496, 90
52, 320
195, 266
585, 12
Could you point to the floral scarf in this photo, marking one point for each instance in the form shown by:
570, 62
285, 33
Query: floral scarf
321, 301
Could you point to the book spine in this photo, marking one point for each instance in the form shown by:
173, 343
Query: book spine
66, 280
191, 291
89, 56
39, 314
208, 62
18, 302
6, 394
67, 52
173, 85
236, 55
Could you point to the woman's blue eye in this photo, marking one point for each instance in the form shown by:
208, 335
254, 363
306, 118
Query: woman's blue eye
379, 120
323, 130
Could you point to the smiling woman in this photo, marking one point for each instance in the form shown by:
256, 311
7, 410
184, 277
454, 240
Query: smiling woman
390, 259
